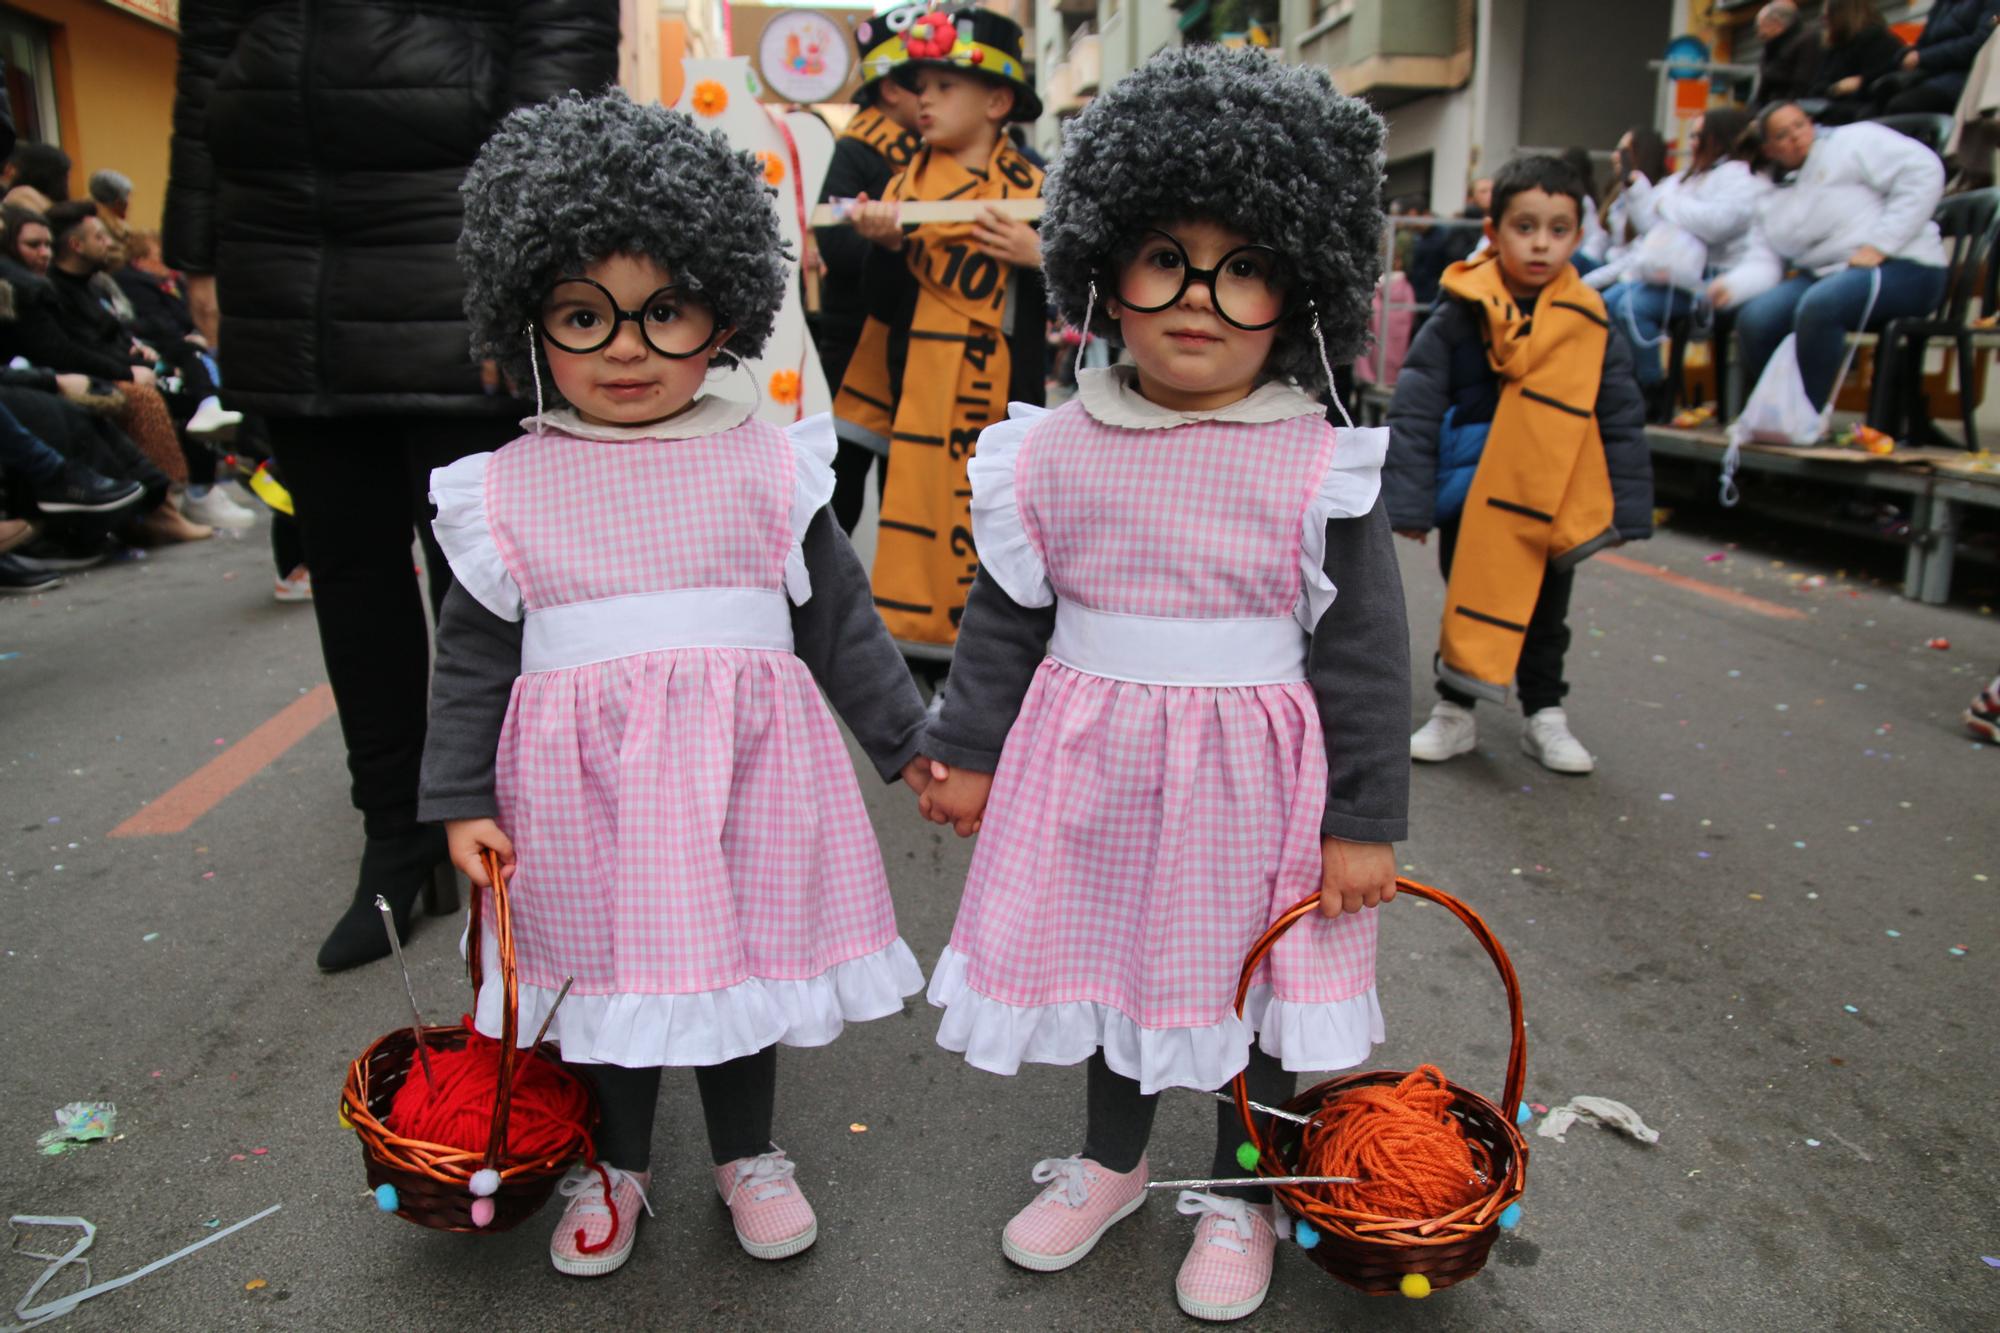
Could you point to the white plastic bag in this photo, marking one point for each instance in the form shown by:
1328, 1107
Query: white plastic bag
1672, 256
1778, 410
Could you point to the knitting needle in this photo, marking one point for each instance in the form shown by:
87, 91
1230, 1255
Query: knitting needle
1267, 1110
1253, 1180
567, 983
417, 1026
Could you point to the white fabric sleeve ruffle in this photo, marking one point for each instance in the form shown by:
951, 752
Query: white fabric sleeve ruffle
814, 445
459, 492
1352, 482
998, 531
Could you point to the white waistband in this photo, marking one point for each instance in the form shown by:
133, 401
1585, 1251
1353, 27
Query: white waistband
580, 633
1268, 650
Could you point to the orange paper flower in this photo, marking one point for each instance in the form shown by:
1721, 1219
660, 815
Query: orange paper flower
774, 169
784, 386
710, 98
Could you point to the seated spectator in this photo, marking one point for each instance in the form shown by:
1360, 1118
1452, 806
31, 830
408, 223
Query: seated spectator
1845, 240
41, 167
1590, 251
1791, 53
1933, 72
1860, 50
158, 299
1637, 162
1715, 202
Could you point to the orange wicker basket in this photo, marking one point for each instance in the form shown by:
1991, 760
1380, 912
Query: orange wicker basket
433, 1182
1376, 1253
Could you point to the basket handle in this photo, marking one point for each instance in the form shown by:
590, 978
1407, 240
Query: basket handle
1517, 1054
503, 936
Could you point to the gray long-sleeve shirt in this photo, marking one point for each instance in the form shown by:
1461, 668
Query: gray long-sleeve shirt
837, 634
1358, 665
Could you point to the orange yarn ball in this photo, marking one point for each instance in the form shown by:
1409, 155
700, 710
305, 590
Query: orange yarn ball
1408, 1151
547, 1115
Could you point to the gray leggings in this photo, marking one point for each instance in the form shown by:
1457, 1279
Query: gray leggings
737, 1099
1121, 1119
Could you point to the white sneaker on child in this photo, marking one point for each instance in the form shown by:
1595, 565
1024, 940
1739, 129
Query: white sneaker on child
1547, 740
1450, 731
214, 507
211, 420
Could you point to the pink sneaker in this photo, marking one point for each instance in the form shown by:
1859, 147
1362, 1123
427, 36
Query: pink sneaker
596, 1231
773, 1220
1228, 1270
1082, 1202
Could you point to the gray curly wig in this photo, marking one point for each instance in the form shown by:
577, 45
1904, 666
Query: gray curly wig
1234, 137
579, 179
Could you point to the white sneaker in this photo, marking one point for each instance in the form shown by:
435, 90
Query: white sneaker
216, 509
1546, 740
296, 586
1451, 731
212, 419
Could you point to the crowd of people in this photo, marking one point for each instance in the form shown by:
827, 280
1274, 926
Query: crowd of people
112, 428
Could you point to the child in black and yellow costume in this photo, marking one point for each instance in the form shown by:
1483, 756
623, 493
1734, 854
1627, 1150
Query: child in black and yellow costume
879, 142
955, 321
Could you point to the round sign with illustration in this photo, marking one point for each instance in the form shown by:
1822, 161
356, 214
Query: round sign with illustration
804, 56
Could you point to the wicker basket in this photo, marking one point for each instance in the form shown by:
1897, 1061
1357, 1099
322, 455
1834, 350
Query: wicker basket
1375, 1253
432, 1181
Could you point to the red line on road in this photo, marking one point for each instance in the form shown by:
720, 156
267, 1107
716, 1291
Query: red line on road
208, 786
1743, 601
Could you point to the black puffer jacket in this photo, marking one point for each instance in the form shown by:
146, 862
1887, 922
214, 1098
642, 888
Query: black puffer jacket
318, 148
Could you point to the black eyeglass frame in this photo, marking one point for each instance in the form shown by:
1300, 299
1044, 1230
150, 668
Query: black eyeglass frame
619, 315
1191, 275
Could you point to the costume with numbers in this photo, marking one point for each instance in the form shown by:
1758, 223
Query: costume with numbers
1158, 800
692, 844
954, 383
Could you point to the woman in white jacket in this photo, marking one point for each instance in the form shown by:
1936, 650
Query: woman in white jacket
1845, 242
1709, 210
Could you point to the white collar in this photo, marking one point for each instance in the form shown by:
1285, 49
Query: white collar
1111, 396
707, 415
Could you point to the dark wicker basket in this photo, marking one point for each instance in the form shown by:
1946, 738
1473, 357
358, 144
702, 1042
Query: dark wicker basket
433, 1182
1375, 1253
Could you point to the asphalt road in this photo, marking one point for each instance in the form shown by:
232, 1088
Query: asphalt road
1742, 926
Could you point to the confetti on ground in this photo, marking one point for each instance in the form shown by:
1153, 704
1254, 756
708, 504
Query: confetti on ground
857, 1128
1957, 951
1714, 558
1892, 934
209, 875
152, 935
263, 1152
255, 1284
1850, 1009
8, 657
1756, 897
79, 1123
1812, 1143
1941, 644
1665, 796
1990, 1261
238, 1157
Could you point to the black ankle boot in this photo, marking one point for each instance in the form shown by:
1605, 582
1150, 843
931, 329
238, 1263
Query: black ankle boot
398, 868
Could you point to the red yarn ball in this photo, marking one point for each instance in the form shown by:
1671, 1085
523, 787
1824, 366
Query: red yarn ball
548, 1116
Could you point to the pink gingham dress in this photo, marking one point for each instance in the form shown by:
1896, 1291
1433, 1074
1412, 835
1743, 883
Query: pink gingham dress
693, 848
1141, 836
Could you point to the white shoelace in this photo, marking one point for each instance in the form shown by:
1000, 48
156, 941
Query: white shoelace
1066, 1179
584, 1181
1236, 1212
765, 1175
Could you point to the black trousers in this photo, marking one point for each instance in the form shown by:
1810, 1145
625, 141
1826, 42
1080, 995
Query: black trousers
361, 486
850, 482
737, 1101
1121, 1120
1539, 676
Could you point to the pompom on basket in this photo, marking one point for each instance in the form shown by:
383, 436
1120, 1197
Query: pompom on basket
1379, 1254
433, 1182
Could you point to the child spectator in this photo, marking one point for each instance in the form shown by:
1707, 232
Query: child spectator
956, 332
1518, 430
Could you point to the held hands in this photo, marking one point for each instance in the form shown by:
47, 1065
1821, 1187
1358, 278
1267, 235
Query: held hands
1354, 875
1867, 257
1007, 239
879, 222
955, 796
467, 838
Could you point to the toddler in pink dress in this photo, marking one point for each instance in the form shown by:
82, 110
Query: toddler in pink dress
650, 596
1215, 729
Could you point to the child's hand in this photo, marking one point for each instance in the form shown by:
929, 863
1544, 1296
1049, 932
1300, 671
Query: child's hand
1417, 535
1354, 875
879, 222
467, 838
1007, 239
957, 797
917, 774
